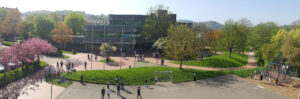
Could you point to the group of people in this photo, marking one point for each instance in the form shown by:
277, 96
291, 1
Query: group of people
90, 57
139, 57
119, 87
69, 66
266, 73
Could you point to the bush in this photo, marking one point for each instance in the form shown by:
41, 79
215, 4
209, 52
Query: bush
16, 74
109, 60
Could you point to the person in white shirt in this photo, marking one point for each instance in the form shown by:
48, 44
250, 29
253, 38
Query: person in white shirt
108, 93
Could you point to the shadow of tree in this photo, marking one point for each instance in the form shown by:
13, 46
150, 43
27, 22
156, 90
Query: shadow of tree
31, 80
221, 81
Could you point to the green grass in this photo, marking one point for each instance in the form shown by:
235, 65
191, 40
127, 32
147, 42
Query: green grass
136, 76
109, 60
68, 52
237, 60
7, 43
16, 74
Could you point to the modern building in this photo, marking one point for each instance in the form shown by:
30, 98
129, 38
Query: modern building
119, 30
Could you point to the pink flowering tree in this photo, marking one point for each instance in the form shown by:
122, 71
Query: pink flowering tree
29, 50
37, 47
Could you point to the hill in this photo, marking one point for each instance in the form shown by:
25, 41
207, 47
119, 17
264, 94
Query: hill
213, 25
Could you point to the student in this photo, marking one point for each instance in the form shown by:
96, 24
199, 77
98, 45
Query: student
117, 81
146, 83
108, 93
195, 77
107, 84
251, 76
95, 57
255, 72
57, 65
277, 78
85, 65
118, 90
155, 79
61, 63
261, 78
103, 93
123, 83
269, 80
88, 56
162, 62
139, 93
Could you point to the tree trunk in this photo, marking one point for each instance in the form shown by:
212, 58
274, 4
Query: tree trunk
180, 67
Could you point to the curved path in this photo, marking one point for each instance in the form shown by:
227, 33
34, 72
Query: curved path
251, 64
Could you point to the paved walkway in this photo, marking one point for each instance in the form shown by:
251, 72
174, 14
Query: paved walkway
223, 87
251, 64
126, 62
33, 86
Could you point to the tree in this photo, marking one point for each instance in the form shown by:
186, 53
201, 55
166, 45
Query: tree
56, 18
75, 21
233, 36
201, 31
61, 34
107, 50
212, 38
37, 47
180, 42
295, 24
156, 23
26, 29
291, 47
261, 34
159, 44
43, 26
9, 30
245, 26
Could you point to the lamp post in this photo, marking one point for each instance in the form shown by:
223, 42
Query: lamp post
121, 48
92, 44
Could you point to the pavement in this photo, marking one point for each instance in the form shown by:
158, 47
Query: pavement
223, 87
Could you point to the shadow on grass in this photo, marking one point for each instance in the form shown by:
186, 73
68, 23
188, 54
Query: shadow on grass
221, 81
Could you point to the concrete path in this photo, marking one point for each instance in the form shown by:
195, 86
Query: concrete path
223, 87
251, 64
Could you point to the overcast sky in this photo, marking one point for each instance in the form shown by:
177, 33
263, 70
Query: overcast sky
279, 11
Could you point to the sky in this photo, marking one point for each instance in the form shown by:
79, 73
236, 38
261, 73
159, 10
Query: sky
279, 11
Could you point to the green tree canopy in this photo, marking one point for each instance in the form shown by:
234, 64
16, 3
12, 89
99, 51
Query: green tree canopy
75, 21
180, 42
232, 36
291, 47
107, 50
43, 26
156, 23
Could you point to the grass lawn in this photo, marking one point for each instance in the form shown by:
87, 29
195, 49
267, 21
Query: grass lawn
137, 76
237, 60
109, 60
7, 43
68, 52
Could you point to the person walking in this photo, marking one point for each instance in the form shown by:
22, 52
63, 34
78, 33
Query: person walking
85, 64
162, 62
96, 57
57, 65
118, 90
102, 93
108, 93
88, 56
146, 83
107, 84
61, 64
261, 78
156, 79
123, 84
195, 77
251, 76
139, 93
117, 81
255, 73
